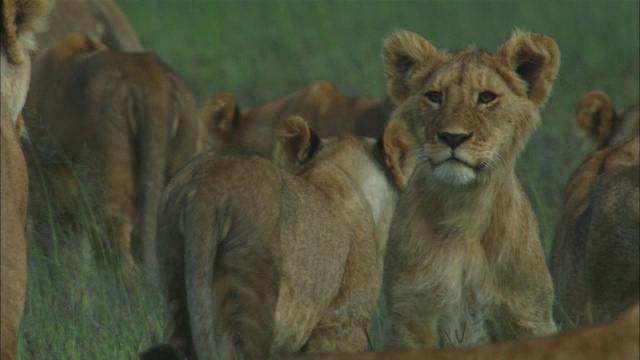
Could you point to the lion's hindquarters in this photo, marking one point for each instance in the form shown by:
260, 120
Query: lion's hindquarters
327, 306
612, 264
231, 272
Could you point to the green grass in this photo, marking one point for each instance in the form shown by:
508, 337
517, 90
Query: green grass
261, 50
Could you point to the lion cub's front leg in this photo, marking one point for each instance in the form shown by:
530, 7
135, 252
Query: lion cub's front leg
332, 338
407, 333
411, 297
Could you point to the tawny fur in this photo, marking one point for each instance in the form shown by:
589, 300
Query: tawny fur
618, 340
127, 115
21, 19
464, 264
252, 131
258, 261
102, 20
595, 259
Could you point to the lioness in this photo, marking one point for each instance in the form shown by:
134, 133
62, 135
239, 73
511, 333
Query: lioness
257, 261
252, 131
595, 259
21, 19
464, 264
129, 115
618, 340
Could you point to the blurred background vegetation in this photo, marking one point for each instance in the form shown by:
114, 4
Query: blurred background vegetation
262, 50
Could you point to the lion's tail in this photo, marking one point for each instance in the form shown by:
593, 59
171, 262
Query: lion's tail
202, 239
231, 281
154, 116
167, 141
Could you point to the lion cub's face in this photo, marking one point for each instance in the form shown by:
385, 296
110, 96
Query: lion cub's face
463, 117
471, 111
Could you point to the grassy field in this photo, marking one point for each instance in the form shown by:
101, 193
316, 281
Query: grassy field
261, 50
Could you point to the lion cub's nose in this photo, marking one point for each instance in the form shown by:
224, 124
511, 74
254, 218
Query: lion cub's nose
453, 140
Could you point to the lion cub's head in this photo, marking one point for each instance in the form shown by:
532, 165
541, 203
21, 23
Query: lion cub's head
471, 112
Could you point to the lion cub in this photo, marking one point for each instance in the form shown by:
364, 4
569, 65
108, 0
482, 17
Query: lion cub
464, 264
595, 258
262, 258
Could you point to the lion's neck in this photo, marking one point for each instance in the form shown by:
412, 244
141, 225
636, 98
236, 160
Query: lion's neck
466, 212
369, 179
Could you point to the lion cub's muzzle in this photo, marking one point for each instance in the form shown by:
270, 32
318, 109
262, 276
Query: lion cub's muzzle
453, 140
452, 163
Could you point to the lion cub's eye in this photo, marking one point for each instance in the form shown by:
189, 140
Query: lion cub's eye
435, 96
486, 97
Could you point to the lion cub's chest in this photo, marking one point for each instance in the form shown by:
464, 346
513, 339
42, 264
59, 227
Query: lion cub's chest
465, 281
457, 276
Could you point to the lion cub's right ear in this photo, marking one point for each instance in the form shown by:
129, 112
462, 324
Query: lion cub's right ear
295, 143
403, 53
218, 119
595, 117
397, 148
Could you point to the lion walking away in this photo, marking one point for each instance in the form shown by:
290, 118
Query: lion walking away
130, 117
261, 259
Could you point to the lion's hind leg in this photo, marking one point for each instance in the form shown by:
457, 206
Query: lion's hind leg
343, 327
232, 281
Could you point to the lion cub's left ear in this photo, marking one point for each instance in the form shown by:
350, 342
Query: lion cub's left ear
397, 149
536, 59
295, 143
404, 53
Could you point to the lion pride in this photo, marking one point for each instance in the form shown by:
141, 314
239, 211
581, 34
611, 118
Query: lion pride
464, 263
618, 340
252, 131
21, 20
129, 116
264, 258
595, 257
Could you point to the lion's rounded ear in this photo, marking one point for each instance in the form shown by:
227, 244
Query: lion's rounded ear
595, 117
403, 53
75, 43
21, 21
218, 118
397, 148
536, 59
295, 143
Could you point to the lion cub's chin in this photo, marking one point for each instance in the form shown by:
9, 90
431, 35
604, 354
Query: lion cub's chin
454, 173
